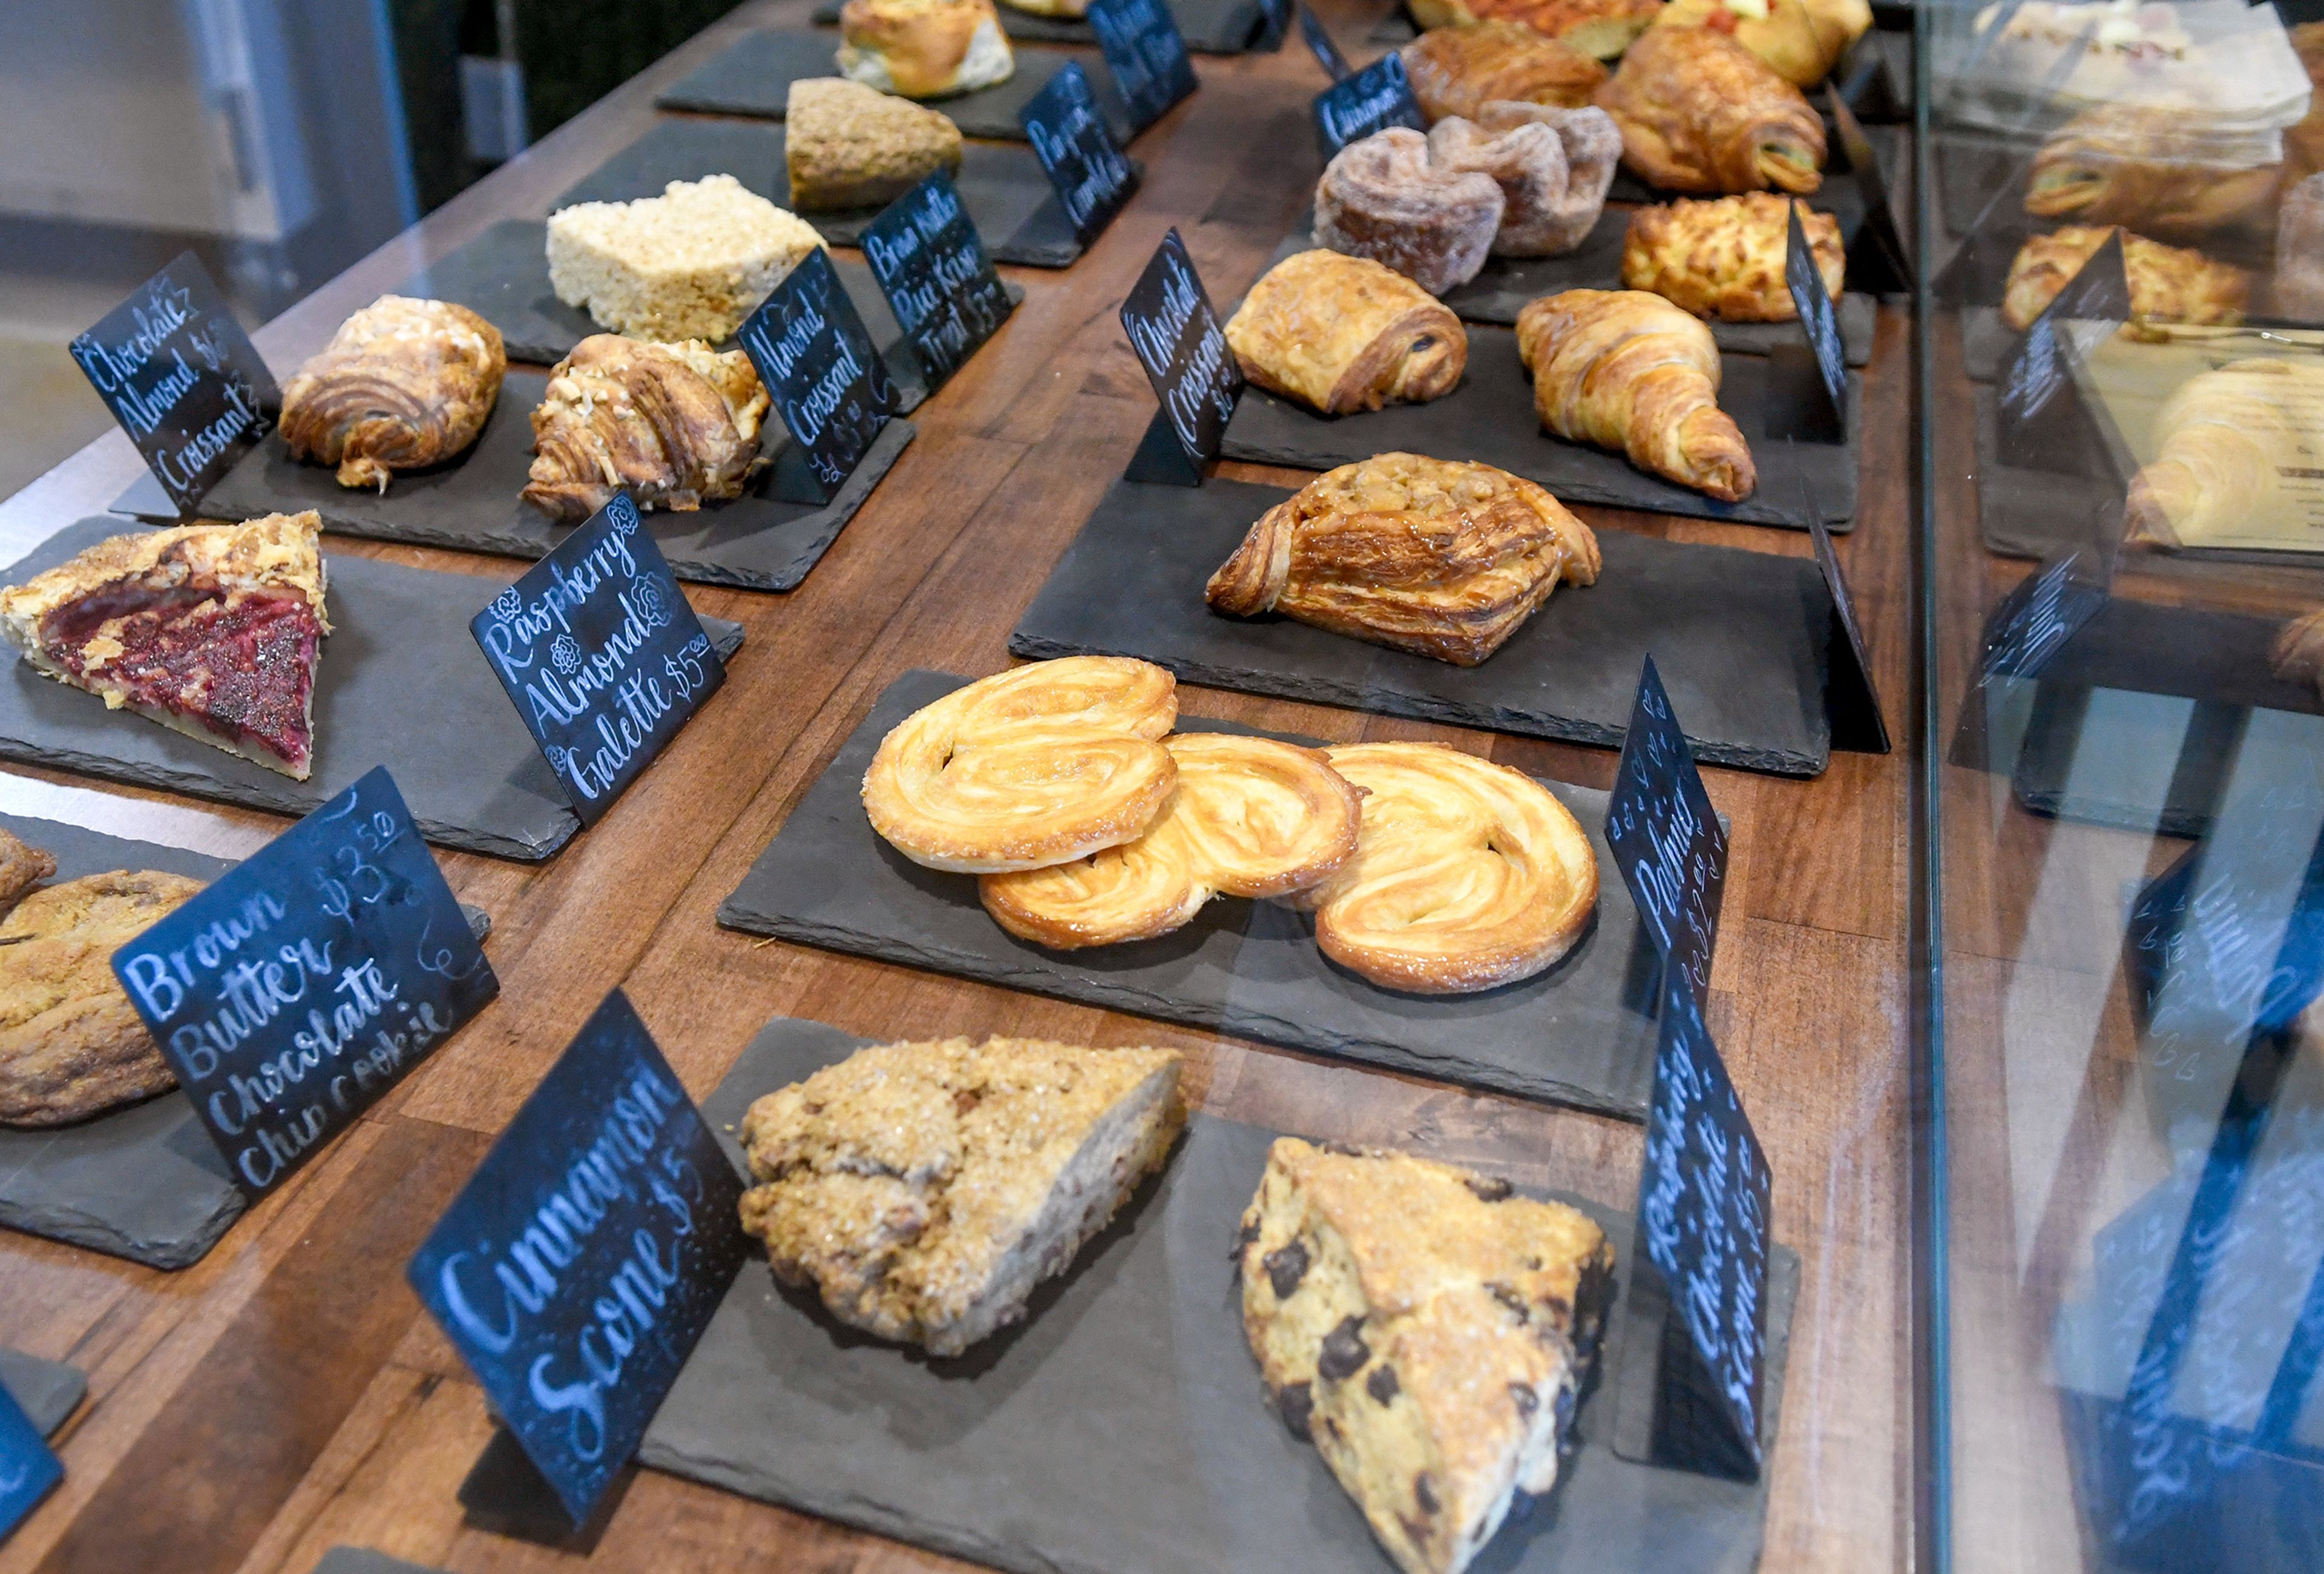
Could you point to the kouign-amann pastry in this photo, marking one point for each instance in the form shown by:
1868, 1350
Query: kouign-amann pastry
693, 263
2138, 166
403, 384
71, 1045
1458, 70
1038, 765
1250, 817
923, 49
847, 146
1629, 371
675, 425
1699, 112
1427, 1328
1441, 558
212, 630
1552, 165
1598, 28
2167, 285
1724, 259
1467, 874
1380, 198
925, 1189
1801, 39
1341, 333
2227, 440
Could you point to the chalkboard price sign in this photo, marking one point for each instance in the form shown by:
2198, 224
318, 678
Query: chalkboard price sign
1376, 98
1667, 838
2041, 421
1319, 42
29, 1471
924, 250
601, 656
1077, 153
1822, 415
1147, 55
182, 379
827, 382
1178, 341
583, 1260
2039, 616
1850, 701
302, 984
1274, 24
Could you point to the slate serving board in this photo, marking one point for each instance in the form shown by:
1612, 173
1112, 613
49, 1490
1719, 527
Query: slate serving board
1003, 186
1210, 27
45, 1391
2031, 514
1123, 1425
400, 683
754, 77
364, 1560
472, 504
1740, 638
1490, 417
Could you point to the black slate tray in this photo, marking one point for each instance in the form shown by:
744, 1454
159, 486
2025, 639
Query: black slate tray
757, 541
1738, 637
1010, 201
1123, 1426
754, 77
402, 683
1579, 1034
1210, 27
45, 1391
2031, 514
1490, 417
364, 1560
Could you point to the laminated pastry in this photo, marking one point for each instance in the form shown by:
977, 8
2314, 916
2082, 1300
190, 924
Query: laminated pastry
1801, 39
1701, 114
212, 630
1443, 558
1380, 198
1249, 817
2167, 283
1341, 334
1427, 1328
1600, 29
22, 867
675, 425
1631, 371
1040, 765
693, 263
925, 1190
403, 384
1724, 259
1553, 166
923, 49
71, 1046
2144, 168
1457, 71
2226, 441
846, 146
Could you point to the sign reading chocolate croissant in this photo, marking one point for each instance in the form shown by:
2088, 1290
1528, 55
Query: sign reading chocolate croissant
1701, 114
1342, 334
674, 425
403, 384
1038, 765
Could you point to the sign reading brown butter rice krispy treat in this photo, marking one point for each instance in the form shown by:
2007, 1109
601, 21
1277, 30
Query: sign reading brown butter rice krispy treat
931, 265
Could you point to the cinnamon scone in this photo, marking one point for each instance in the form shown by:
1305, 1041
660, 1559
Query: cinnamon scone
923, 1190
403, 384
1427, 1328
674, 425
2167, 283
1341, 334
846, 146
1724, 259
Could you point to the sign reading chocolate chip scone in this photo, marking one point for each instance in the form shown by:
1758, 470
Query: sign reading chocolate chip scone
932, 266
1147, 55
1177, 339
1667, 838
1078, 153
821, 369
1373, 100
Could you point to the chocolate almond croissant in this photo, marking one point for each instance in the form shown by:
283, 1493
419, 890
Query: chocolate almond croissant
1701, 114
675, 425
1342, 334
403, 384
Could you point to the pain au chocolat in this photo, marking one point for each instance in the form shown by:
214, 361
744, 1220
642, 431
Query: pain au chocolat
402, 385
1342, 334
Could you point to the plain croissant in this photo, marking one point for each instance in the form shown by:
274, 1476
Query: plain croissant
1627, 370
2227, 437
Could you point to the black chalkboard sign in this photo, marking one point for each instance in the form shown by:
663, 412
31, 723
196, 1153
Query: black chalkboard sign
182, 379
1147, 55
2041, 421
1814, 407
1667, 838
1694, 1348
1373, 100
1319, 42
1851, 703
601, 656
1274, 24
925, 252
577, 1269
1077, 152
827, 382
2235, 930
1178, 341
1879, 262
29, 1471
2029, 626
305, 982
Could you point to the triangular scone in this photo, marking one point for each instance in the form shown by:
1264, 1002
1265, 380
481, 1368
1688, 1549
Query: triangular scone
848, 145
925, 1188
1428, 1329
213, 630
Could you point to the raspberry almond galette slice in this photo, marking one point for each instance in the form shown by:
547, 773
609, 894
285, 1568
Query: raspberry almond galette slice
211, 629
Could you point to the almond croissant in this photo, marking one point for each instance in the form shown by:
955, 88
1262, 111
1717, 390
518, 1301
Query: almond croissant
1701, 114
676, 425
403, 384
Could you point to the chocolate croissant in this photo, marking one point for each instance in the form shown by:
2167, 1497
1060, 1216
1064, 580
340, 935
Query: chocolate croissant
675, 425
1342, 334
1458, 70
1701, 114
2142, 167
1380, 198
1552, 165
1629, 371
403, 384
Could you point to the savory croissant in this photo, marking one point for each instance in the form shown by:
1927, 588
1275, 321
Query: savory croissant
1598, 28
675, 425
1438, 557
1342, 334
2228, 438
1553, 166
1627, 370
1700, 113
1802, 39
2132, 165
403, 384
1725, 258
1380, 198
1457, 71
2167, 285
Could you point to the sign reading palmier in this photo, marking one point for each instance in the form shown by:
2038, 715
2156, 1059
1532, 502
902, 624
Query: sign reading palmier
1376, 98
1178, 339
925, 252
826, 380
1147, 55
1667, 838
1069, 135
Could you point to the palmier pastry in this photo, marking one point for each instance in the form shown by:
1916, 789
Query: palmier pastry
1699, 112
2227, 439
1443, 558
1380, 198
1552, 165
1038, 765
1801, 39
403, 384
1341, 334
1467, 874
1629, 371
675, 425
923, 49
1598, 28
1250, 817
1458, 70
2167, 285
2134, 165
1724, 259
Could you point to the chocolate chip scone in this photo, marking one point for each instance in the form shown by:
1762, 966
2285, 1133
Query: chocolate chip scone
1427, 1328
925, 1188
